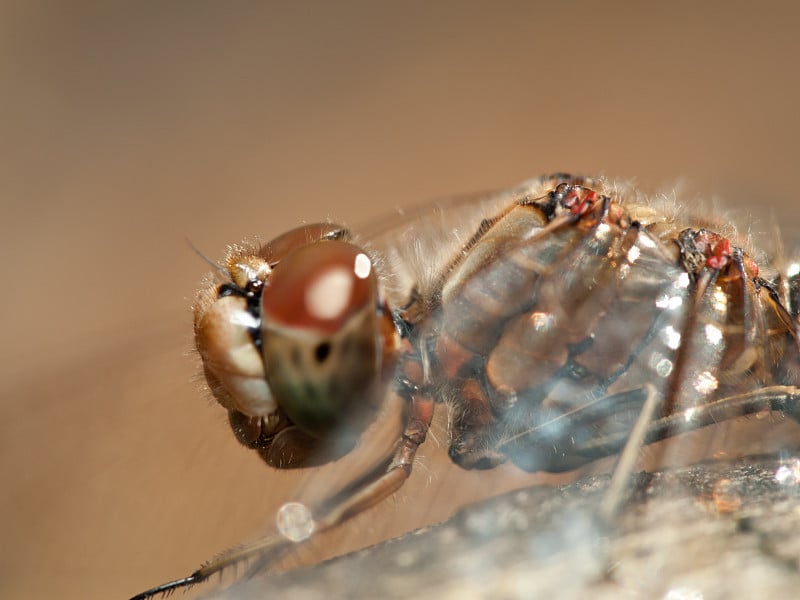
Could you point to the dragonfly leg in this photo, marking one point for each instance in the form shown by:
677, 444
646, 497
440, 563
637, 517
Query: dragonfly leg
647, 430
619, 488
574, 438
784, 399
416, 430
332, 513
472, 424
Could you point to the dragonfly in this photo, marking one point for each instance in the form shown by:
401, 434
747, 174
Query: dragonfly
560, 322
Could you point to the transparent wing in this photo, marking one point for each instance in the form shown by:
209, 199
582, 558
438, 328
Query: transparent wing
414, 246
560, 324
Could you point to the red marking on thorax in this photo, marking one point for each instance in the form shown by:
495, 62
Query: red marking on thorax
578, 205
719, 255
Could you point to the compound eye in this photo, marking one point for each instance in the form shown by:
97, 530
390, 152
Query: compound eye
319, 287
321, 340
276, 250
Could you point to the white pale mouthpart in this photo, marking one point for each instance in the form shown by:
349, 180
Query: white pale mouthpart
329, 295
242, 318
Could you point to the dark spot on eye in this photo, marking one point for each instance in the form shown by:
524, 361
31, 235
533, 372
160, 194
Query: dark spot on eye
322, 351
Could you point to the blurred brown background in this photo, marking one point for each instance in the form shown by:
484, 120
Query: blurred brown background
128, 128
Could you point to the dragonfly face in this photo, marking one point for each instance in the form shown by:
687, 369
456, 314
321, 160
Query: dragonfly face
548, 330
295, 343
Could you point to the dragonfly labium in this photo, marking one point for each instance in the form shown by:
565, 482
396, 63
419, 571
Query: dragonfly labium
560, 322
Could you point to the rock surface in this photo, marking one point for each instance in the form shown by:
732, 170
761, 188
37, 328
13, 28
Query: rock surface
713, 530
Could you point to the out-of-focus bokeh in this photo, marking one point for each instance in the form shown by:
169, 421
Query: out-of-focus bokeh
127, 129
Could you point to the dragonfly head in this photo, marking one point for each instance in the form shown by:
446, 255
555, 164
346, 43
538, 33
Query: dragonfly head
300, 331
